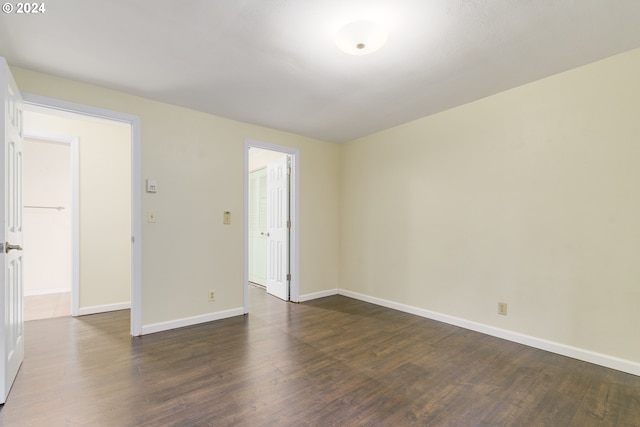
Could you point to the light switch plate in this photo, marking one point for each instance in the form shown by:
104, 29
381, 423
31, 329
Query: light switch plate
152, 217
226, 218
152, 186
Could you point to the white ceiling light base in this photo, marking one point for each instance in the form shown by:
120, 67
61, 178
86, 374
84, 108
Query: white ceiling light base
361, 38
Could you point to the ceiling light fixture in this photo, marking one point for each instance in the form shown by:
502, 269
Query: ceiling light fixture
361, 37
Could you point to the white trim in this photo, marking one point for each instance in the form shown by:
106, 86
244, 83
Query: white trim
83, 311
190, 321
75, 227
553, 347
51, 291
316, 295
294, 267
136, 228
74, 143
136, 221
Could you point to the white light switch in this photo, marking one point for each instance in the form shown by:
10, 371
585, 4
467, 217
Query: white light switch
152, 217
226, 218
152, 186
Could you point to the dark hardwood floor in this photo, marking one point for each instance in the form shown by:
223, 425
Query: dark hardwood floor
332, 361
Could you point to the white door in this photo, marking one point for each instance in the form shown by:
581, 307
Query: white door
277, 228
11, 310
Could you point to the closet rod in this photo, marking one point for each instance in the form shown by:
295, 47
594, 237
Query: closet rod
58, 208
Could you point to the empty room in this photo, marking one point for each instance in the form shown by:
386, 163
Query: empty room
444, 231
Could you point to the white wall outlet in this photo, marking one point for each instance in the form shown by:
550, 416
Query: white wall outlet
212, 295
502, 308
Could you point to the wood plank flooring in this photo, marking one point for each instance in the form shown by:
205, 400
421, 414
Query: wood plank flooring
331, 361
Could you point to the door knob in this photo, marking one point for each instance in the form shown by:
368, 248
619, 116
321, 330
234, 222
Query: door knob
10, 247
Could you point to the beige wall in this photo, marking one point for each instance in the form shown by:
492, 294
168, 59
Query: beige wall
47, 232
105, 203
531, 197
198, 160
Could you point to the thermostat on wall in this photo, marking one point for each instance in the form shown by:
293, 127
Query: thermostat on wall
152, 186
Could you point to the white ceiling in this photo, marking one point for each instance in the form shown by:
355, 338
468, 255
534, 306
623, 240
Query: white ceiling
275, 63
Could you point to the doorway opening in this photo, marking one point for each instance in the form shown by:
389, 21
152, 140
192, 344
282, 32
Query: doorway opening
50, 232
271, 220
72, 252
105, 203
77, 214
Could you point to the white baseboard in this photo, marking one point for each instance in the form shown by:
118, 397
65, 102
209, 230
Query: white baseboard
554, 347
316, 295
190, 321
34, 292
82, 311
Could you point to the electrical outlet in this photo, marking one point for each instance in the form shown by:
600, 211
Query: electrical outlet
212, 296
502, 308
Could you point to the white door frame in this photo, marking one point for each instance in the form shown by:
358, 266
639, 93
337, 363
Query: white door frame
294, 266
136, 224
75, 207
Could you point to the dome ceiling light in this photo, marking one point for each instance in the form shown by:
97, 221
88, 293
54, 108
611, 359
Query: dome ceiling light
361, 37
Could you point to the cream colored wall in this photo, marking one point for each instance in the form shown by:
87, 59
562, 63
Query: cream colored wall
105, 203
47, 232
198, 161
531, 197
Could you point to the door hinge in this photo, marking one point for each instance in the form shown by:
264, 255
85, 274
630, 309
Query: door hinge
289, 277
289, 171
289, 224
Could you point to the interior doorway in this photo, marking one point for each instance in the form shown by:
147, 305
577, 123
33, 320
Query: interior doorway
257, 224
47, 218
263, 214
94, 252
271, 220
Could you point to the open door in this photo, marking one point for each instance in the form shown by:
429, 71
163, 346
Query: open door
278, 228
11, 309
